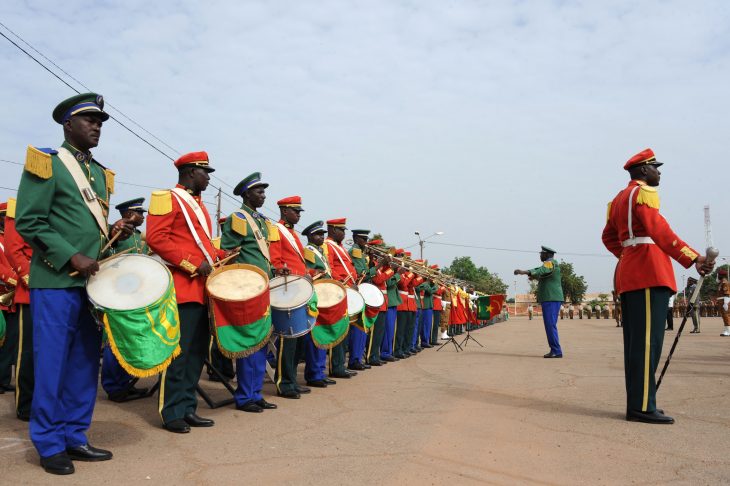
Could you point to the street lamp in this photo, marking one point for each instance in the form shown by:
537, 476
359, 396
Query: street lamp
684, 295
422, 240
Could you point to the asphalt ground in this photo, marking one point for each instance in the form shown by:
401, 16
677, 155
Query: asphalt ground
498, 414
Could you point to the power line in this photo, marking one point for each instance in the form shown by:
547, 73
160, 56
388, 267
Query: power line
513, 250
9, 188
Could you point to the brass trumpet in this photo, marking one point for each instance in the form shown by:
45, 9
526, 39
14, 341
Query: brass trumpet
7, 299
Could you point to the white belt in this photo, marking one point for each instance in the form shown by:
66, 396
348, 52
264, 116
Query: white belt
385, 292
402, 292
637, 240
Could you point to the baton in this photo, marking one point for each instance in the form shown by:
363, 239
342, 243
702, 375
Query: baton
711, 254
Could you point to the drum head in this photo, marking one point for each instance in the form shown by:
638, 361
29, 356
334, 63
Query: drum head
128, 282
295, 293
329, 293
236, 283
355, 302
373, 296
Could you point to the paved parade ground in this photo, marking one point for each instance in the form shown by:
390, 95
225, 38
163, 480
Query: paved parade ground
500, 414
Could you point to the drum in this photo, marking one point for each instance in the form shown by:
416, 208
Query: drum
373, 296
333, 319
238, 297
355, 304
134, 296
289, 310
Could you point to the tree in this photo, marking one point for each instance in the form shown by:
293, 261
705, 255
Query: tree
574, 286
484, 281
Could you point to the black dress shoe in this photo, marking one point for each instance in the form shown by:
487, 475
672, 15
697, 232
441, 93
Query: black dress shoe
426, 345
356, 366
25, 417
293, 394
329, 381
317, 383
266, 405
88, 453
366, 366
7, 387
178, 426
194, 420
345, 375
251, 407
387, 358
376, 363
399, 356
131, 393
648, 417
303, 389
58, 464
552, 355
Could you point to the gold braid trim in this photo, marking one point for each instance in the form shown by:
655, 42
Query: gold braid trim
109, 180
188, 267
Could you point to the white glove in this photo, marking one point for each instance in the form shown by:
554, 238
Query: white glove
725, 302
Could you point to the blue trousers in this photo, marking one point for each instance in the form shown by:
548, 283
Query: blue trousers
416, 330
386, 348
315, 360
113, 377
66, 343
426, 325
356, 342
250, 373
550, 311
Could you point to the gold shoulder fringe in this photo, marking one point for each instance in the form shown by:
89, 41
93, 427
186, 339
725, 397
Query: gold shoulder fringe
648, 196
38, 163
160, 203
11, 208
239, 225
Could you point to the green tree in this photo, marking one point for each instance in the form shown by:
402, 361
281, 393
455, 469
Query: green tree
574, 286
483, 280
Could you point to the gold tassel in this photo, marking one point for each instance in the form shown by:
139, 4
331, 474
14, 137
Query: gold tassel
356, 253
160, 203
608, 211
238, 224
648, 196
109, 180
38, 163
11, 208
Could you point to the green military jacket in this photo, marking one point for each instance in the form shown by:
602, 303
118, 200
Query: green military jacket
394, 298
236, 232
313, 260
359, 260
53, 218
135, 241
428, 291
549, 286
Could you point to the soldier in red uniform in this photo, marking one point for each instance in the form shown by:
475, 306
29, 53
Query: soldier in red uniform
641, 238
8, 283
179, 230
19, 253
287, 257
403, 310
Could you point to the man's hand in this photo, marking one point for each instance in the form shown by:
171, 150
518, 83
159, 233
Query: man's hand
703, 266
521, 272
125, 226
204, 269
84, 265
232, 251
282, 271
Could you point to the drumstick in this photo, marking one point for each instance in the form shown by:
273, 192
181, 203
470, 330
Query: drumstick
318, 276
292, 278
221, 262
111, 242
75, 273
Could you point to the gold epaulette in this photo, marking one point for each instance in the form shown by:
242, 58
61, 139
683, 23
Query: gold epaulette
608, 211
160, 203
216, 243
648, 196
309, 256
356, 253
38, 163
273, 232
548, 264
109, 180
11, 208
239, 225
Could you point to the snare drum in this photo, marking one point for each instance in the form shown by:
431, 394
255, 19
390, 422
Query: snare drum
239, 309
134, 296
289, 310
333, 320
372, 295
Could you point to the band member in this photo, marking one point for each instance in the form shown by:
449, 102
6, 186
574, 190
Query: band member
427, 290
358, 339
393, 300
19, 255
695, 315
249, 230
438, 307
62, 208
316, 260
8, 285
723, 299
287, 257
403, 311
342, 270
641, 238
379, 274
549, 295
179, 231
117, 383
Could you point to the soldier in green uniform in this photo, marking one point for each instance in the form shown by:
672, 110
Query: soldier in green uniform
248, 230
133, 211
549, 295
62, 210
358, 340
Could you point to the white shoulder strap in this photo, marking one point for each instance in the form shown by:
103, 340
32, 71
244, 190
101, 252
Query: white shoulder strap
195, 207
88, 195
192, 229
283, 230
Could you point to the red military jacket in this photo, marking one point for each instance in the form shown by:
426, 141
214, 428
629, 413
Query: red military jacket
8, 277
18, 253
380, 279
340, 263
415, 282
643, 247
287, 250
405, 280
438, 304
169, 236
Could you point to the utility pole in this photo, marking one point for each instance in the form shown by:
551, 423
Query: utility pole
218, 212
708, 228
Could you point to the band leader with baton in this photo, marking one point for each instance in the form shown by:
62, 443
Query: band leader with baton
641, 238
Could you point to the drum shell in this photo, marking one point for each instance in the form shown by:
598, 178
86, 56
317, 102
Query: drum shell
293, 321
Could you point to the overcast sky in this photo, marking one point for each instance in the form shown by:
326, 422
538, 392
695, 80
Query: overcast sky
504, 125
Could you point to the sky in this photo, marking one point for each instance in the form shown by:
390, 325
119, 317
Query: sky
501, 124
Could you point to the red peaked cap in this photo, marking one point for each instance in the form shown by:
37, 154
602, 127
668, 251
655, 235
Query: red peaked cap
3, 207
194, 159
400, 251
435, 267
722, 272
290, 202
338, 222
644, 157
375, 242
408, 253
